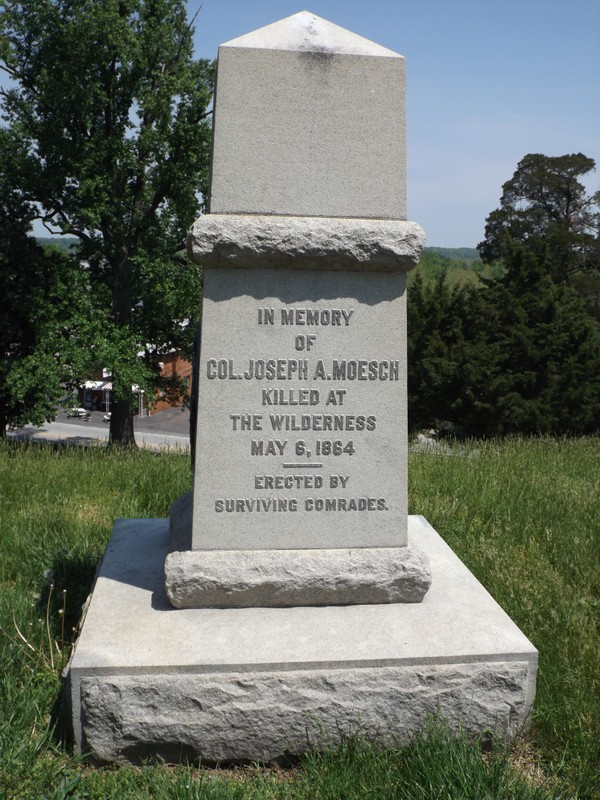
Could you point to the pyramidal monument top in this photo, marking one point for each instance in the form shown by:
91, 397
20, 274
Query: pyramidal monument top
308, 32
309, 121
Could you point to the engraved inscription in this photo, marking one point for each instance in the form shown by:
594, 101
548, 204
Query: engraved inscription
316, 421
256, 504
267, 447
365, 370
323, 422
259, 504
272, 369
284, 369
246, 422
314, 316
290, 397
288, 481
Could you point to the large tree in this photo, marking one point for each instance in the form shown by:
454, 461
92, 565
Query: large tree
545, 206
453, 361
44, 308
548, 370
109, 110
521, 353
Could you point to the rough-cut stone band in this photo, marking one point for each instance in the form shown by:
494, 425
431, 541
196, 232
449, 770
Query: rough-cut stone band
261, 716
279, 578
311, 243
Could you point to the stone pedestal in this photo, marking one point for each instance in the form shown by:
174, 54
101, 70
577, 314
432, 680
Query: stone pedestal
218, 685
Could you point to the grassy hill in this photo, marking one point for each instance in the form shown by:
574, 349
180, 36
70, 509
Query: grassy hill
465, 254
499, 505
460, 265
62, 242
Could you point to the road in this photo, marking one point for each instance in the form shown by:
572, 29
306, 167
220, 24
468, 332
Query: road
148, 433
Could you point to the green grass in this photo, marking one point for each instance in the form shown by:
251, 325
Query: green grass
521, 514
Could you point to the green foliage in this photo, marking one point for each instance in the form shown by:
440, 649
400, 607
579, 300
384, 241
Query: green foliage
44, 307
464, 255
587, 286
516, 356
460, 266
517, 350
108, 112
548, 379
451, 359
67, 243
545, 205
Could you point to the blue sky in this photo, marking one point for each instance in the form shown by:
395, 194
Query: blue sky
487, 82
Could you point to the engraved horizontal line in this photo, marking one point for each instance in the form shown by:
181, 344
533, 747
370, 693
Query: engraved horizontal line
303, 466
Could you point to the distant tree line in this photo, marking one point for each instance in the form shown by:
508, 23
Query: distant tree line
518, 349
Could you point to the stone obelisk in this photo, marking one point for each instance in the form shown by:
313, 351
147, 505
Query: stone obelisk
301, 443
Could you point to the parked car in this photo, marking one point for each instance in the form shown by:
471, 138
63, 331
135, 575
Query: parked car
78, 412
106, 417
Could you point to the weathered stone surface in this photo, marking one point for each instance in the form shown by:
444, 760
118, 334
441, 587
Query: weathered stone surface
309, 121
302, 424
238, 240
262, 716
255, 429
275, 578
301, 444
147, 679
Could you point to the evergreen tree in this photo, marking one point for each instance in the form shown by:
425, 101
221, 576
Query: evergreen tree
548, 370
521, 353
452, 360
545, 205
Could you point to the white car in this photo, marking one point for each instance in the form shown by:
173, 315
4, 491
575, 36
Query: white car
78, 412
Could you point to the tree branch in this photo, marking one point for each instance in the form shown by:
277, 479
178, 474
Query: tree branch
9, 70
46, 221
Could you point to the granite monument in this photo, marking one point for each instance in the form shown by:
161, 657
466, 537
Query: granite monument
291, 600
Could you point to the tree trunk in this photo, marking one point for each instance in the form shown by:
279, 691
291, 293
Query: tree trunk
121, 424
121, 418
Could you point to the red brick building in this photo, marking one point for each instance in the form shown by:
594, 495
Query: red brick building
96, 395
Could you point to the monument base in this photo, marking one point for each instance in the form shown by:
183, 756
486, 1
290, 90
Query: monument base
279, 578
217, 685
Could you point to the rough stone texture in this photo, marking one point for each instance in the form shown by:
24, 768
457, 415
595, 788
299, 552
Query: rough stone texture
147, 679
295, 366
238, 240
276, 578
260, 716
309, 121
